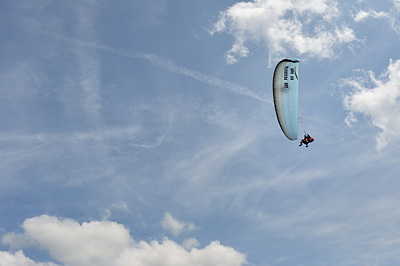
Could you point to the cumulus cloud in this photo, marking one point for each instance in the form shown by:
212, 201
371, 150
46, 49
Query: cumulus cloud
169, 253
303, 27
175, 226
108, 243
93, 243
190, 243
377, 98
19, 259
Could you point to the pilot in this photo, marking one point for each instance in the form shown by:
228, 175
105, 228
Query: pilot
307, 139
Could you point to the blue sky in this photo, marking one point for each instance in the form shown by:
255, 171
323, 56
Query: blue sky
143, 133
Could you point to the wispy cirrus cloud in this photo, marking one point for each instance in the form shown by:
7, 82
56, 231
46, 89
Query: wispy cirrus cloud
207, 79
89, 64
170, 66
281, 27
363, 15
391, 15
365, 228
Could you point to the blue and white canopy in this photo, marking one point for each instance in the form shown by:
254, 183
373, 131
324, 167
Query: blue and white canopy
285, 86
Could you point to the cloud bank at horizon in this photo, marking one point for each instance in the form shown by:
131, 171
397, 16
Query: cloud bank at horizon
98, 243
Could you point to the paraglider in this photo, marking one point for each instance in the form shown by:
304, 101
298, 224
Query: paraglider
307, 139
285, 86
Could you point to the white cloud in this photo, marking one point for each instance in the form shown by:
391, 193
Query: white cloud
169, 253
395, 12
391, 15
175, 226
89, 64
121, 206
285, 27
190, 243
108, 243
93, 243
396, 4
362, 15
380, 103
206, 79
366, 227
170, 66
19, 259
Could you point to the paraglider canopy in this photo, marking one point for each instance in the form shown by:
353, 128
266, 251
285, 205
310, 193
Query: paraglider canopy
285, 87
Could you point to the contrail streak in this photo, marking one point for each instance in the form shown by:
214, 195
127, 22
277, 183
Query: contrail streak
210, 80
170, 66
